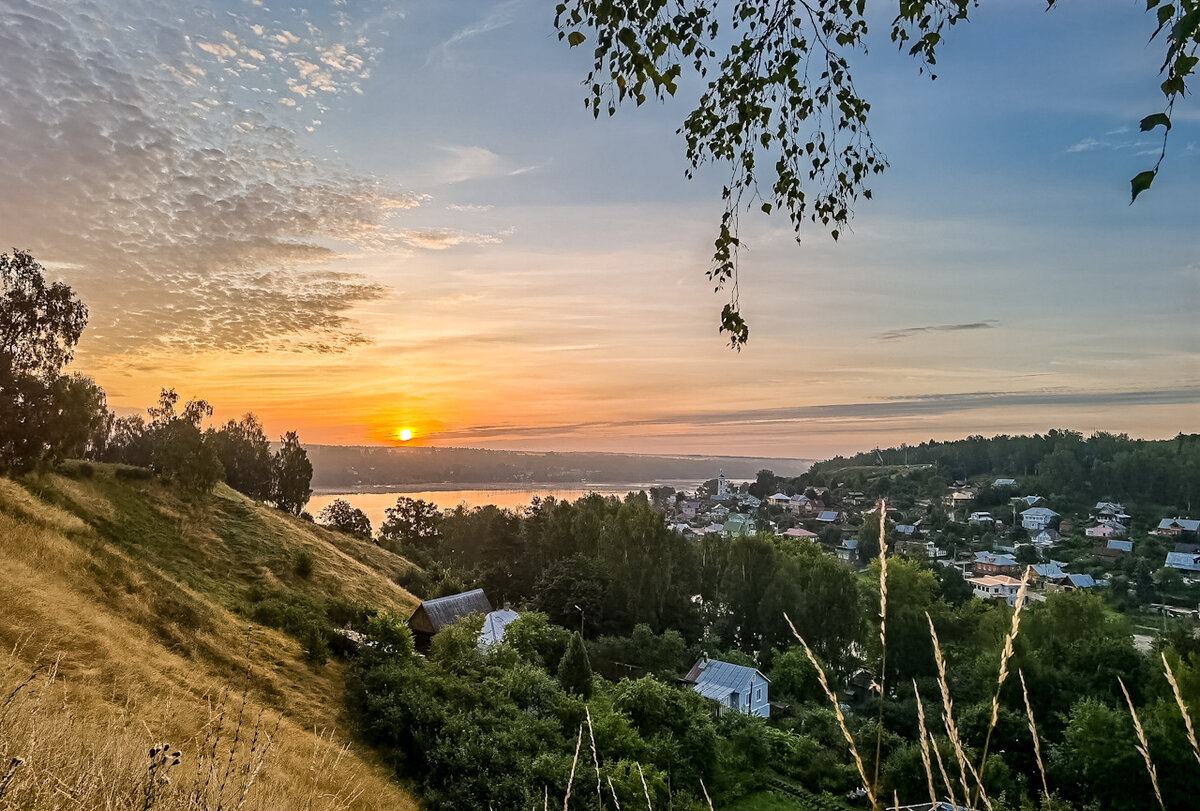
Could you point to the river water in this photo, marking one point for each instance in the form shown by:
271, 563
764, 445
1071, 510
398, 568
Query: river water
514, 497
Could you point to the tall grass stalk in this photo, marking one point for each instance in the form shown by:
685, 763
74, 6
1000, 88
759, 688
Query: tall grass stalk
925, 760
948, 711
937, 755
571, 779
613, 791
1005, 655
645, 788
1143, 747
868, 786
707, 799
595, 760
882, 635
1037, 744
1183, 710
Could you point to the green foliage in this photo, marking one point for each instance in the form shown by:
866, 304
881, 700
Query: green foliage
291, 475
304, 564
411, 525
341, 516
389, 635
574, 670
245, 455
40, 323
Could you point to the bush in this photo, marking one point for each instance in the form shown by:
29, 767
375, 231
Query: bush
304, 564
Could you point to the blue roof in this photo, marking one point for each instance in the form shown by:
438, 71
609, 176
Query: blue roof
715, 679
494, 625
1124, 546
996, 560
1187, 561
1051, 570
828, 515
1081, 581
905, 529
851, 543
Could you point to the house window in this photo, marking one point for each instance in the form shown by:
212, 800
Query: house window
758, 694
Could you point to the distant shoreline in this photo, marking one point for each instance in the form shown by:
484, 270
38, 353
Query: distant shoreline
428, 487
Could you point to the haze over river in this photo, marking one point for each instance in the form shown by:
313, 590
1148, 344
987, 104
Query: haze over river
374, 501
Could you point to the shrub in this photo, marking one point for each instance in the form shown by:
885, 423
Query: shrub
304, 564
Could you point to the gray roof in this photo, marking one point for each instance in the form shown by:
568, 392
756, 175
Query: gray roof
996, 560
1081, 581
447, 610
906, 529
828, 516
1004, 482
1186, 561
494, 625
1051, 570
1124, 546
1039, 512
715, 679
1187, 523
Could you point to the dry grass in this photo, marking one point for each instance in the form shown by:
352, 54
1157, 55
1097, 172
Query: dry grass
1037, 743
114, 646
1143, 747
1183, 710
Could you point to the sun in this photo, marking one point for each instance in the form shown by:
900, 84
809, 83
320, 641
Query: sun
404, 434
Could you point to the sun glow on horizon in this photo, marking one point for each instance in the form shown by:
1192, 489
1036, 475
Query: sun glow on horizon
404, 434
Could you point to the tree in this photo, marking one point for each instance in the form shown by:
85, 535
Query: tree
780, 108
80, 416
291, 475
574, 670
40, 324
245, 454
179, 451
340, 515
411, 523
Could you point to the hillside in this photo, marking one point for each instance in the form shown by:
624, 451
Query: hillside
125, 625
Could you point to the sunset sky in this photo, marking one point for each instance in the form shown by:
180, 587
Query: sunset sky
354, 217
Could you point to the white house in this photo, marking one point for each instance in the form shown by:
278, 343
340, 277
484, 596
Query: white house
1037, 518
779, 500
736, 687
983, 518
996, 585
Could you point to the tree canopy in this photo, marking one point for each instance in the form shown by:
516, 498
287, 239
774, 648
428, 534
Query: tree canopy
779, 108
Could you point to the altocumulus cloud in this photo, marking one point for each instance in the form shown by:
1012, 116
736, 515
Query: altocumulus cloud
150, 152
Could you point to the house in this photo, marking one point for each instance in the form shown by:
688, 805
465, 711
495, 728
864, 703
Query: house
829, 516
1004, 483
800, 532
1175, 527
907, 530
711, 529
779, 500
920, 549
432, 616
749, 502
737, 526
982, 518
689, 509
494, 625
1123, 546
1049, 571
735, 687
1106, 529
719, 512
1183, 561
987, 563
1110, 510
1047, 537
847, 551
1037, 518
993, 586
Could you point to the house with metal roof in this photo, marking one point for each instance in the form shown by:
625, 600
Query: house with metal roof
1183, 561
494, 625
1004, 482
1037, 518
847, 551
1123, 546
829, 516
738, 525
1050, 571
1047, 537
996, 586
432, 616
990, 563
734, 687
1177, 526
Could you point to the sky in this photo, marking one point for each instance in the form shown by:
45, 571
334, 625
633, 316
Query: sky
354, 217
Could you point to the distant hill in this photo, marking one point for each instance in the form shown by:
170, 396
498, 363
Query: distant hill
343, 467
141, 617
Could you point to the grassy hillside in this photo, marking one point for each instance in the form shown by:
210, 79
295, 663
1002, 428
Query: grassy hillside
124, 625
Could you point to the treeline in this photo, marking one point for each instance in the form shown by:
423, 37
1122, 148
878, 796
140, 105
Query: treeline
47, 416
1059, 462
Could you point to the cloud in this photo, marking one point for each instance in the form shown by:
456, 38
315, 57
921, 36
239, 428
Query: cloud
1086, 145
175, 197
813, 417
900, 334
498, 17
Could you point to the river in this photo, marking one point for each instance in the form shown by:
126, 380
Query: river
512, 496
